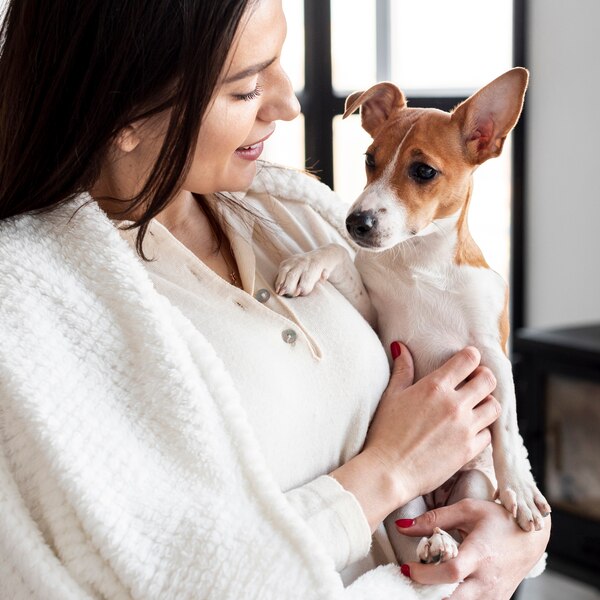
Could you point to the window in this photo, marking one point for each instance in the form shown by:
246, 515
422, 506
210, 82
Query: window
335, 47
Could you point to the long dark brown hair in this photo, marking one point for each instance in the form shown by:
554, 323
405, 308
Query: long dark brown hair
73, 74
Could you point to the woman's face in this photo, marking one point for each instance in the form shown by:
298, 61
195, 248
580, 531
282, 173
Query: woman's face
254, 93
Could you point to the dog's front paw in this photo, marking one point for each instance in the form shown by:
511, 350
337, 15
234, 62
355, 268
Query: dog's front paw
524, 501
299, 274
438, 548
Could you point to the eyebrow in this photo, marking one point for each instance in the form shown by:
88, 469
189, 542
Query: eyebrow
250, 71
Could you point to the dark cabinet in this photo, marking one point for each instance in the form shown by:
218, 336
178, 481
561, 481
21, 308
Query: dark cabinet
557, 379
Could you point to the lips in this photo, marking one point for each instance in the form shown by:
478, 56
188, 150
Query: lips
253, 151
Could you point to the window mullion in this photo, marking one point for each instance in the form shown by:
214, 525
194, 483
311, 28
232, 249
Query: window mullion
518, 214
319, 102
383, 40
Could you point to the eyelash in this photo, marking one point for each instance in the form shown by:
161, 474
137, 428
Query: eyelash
255, 93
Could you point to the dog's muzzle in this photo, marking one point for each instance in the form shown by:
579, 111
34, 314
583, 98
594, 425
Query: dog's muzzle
362, 226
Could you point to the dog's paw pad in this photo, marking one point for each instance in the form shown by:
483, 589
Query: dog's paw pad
438, 548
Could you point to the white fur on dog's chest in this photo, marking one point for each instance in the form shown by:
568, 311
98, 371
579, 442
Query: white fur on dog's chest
435, 313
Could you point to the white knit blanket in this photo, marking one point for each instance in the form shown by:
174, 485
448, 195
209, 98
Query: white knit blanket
127, 466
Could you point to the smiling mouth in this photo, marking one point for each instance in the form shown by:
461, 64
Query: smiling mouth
253, 147
253, 151
256, 144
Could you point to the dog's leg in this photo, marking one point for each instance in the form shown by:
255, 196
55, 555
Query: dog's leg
516, 487
299, 274
472, 484
405, 547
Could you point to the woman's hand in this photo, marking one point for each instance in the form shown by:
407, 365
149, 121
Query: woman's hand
494, 557
421, 434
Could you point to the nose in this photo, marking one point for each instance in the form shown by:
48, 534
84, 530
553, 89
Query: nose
282, 104
361, 224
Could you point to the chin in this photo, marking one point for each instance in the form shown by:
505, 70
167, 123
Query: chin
240, 180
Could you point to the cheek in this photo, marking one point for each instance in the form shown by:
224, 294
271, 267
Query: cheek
224, 129
214, 166
218, 133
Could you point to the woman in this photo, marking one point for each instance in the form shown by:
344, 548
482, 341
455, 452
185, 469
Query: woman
171, 428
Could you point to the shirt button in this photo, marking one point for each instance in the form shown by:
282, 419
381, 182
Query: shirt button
289, 336
262, 295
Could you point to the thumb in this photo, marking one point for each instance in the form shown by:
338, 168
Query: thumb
403, 370
444, 517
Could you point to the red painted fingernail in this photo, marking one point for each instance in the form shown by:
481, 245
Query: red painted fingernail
405, 523
405, 570
395, 349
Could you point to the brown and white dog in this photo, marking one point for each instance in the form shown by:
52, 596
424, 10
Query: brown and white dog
426, 281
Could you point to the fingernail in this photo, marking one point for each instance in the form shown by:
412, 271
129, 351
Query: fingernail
405, 570
404, 523
395, 349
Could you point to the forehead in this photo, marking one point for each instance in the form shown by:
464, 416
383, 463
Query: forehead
415, 131
260, 35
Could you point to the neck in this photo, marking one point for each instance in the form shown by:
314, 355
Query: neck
189, 222
182, 210
183, 217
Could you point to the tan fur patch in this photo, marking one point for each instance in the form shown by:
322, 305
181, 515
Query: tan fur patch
467, 251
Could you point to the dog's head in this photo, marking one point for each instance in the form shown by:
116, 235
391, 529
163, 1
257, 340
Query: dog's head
420, 163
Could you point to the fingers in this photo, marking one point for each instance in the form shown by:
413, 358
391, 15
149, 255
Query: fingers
481, 383
455, 370
459, 516
403, 370
486, 412
451, 571
468, 590
446, 518
481, 441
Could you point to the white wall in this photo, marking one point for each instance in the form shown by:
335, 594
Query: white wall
563, 163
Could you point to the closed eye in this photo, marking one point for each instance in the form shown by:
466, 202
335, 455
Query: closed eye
255, 93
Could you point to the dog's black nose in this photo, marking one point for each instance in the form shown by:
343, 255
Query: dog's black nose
361, 224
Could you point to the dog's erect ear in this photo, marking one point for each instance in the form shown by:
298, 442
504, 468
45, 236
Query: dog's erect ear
377, 104
487, 117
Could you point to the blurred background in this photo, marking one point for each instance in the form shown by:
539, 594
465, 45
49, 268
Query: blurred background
535, 210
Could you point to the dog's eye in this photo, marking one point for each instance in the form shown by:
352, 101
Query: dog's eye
369, 160
421, 172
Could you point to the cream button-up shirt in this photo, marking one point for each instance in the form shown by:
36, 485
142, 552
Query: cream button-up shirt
310, 370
